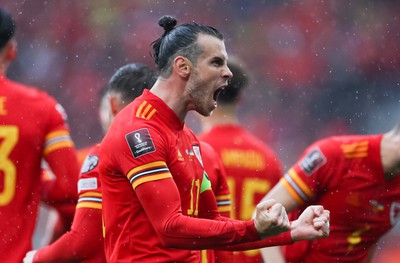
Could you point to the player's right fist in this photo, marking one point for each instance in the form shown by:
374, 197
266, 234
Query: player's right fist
271, 218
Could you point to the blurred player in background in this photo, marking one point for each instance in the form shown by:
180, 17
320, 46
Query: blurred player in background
32, 126
84, 243
252, 167
54, 221
357, 178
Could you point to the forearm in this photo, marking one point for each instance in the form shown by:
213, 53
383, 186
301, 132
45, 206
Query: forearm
84, 240
195, 233
179, 231
64, 164
281, 239
272, 255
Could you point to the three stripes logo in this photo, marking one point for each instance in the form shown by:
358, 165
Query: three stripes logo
355, 150
145, 111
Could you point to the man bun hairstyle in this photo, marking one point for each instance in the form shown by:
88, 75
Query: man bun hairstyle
7, 27
178, 41
168, 23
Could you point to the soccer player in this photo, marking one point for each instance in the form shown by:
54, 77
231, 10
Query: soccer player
32, 126
357, 178
84, 243
157, 197
252, 167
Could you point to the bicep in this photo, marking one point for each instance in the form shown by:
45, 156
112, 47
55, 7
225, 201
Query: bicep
160, 199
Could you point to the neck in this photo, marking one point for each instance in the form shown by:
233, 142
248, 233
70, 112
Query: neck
390, 154
173, 94
223, 115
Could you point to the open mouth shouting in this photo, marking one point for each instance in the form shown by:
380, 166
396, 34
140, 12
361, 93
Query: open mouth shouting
216, 94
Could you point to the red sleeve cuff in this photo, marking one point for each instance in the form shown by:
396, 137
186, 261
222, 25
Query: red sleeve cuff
279, 240
252, 231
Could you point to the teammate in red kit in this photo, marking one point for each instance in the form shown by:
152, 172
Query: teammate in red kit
252, 167
219, 185
357, 178
32, 127
157, 199
84, 243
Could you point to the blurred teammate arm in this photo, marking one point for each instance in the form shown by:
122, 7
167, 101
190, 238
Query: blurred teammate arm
60, 154
82, 242
281, 195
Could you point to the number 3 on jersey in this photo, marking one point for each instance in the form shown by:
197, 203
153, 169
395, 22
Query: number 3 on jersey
8, 171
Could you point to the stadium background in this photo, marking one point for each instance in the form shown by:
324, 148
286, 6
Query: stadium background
319, 68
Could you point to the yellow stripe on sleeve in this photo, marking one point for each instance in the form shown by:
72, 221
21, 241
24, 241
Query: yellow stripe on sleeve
291, 191
225, 208
296, 178
223, 197
145, 167
58, 145
56, 134
150, 178
87, 204
90, 194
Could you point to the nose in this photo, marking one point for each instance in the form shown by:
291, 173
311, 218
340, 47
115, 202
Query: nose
227, 73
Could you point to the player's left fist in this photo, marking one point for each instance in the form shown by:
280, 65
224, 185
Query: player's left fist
313, 223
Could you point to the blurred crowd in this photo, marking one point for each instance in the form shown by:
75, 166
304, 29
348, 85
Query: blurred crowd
319, 68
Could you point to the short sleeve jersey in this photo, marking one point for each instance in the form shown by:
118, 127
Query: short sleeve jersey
252, 169
31, 127
146, 142
345, 175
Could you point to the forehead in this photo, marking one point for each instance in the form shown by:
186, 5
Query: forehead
212, 47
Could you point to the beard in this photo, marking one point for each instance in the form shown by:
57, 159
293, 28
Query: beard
199, 93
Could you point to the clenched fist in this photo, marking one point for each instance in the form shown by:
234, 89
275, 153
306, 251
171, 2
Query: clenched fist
313, 223
271, 218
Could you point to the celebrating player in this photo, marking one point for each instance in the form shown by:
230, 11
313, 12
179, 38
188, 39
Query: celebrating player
157, 197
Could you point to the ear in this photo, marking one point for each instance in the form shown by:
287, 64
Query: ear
11, 50
114, 105
182, 66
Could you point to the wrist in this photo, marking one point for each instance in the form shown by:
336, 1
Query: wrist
293, 231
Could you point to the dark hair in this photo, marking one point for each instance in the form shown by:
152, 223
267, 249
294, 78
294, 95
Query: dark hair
7, 27
178, 41
236, 84
131, 79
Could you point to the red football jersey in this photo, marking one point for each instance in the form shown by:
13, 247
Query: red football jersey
252, 169
345, 175
84, 243
154, 184
216, 174
219, 185
32, 127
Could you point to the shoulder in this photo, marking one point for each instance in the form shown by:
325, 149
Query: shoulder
30, 92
